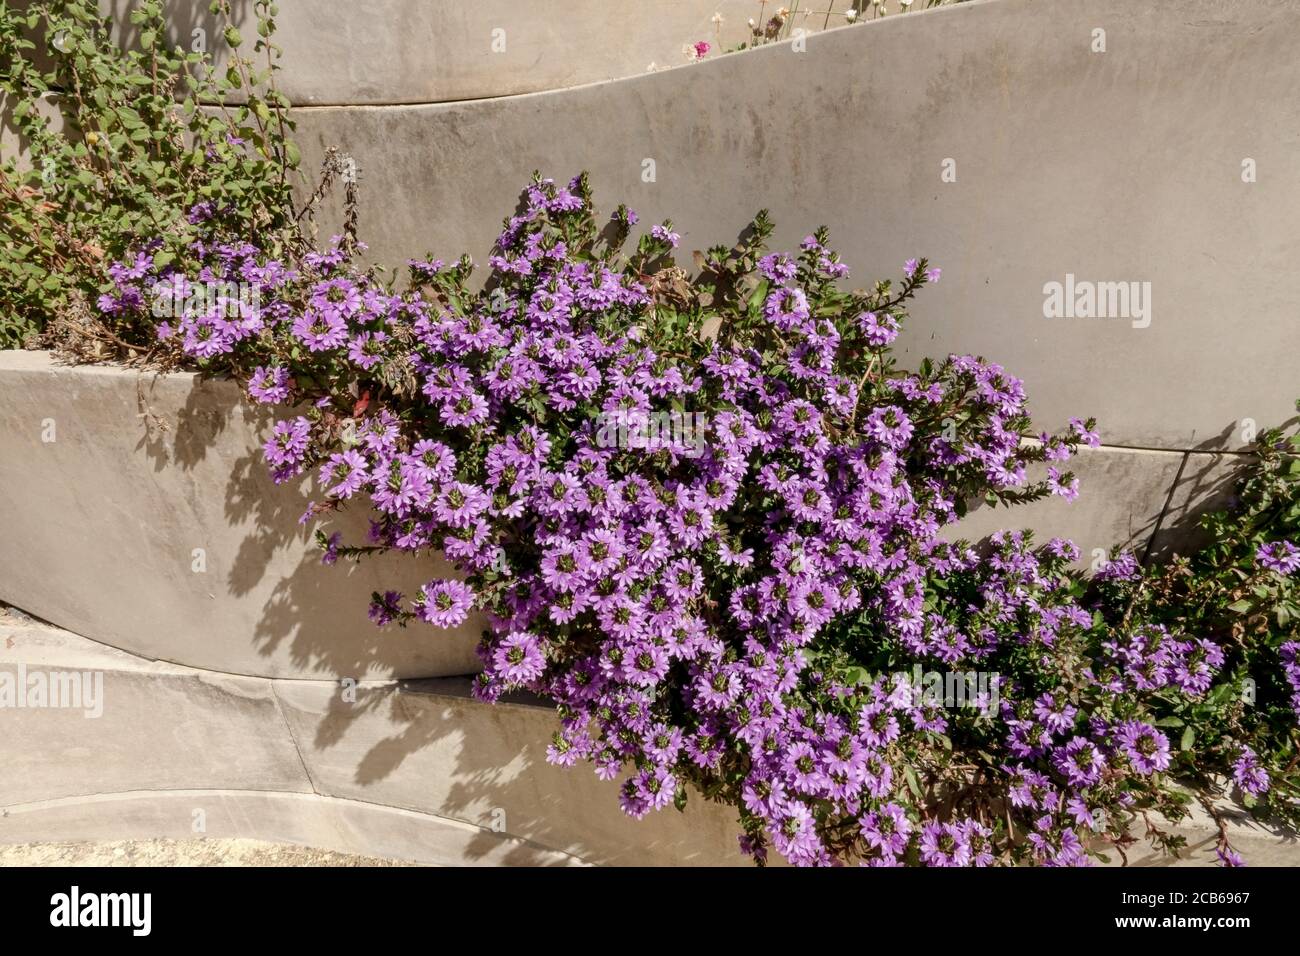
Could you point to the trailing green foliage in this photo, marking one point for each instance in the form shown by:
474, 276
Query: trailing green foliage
118, 149
1242, 591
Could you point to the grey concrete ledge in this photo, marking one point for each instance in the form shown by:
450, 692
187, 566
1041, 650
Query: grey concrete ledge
305, 819
412, 769
149, 523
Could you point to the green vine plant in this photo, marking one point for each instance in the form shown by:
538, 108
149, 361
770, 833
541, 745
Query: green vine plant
1241, 589
122, 140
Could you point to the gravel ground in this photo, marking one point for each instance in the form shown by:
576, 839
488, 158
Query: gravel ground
180, 853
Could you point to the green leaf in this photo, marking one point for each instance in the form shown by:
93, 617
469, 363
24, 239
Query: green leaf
912, 783
857, 675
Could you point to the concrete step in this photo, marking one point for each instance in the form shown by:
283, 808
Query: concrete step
406, 769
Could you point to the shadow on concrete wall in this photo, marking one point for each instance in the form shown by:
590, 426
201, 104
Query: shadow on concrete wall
193, 429
499, 763
1206, 484
319, 612
479, 775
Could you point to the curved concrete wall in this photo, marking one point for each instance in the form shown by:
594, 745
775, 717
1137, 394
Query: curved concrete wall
135, 509
433, 51
1116, 166
409, 770
415, 770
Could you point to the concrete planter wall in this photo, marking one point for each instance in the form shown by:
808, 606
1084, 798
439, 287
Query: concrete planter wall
1119, 166
136, 511
413, 770
434, 51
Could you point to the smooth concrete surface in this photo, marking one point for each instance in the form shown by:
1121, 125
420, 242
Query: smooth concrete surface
1122, 166
1122, 494
429, 746
406, 770
432, 51
196, 730
153, 726
149, 523
417, 770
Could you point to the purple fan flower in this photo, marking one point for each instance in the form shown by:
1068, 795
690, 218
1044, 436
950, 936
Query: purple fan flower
1145, 747
943, 844
444, 603
269, 385
1280, 556
519, 658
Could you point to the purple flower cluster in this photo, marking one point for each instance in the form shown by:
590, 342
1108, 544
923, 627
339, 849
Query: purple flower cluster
1248, 774
1149, 658
697, 618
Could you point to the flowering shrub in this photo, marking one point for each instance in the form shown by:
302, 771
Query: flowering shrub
766, 613
1243, 589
